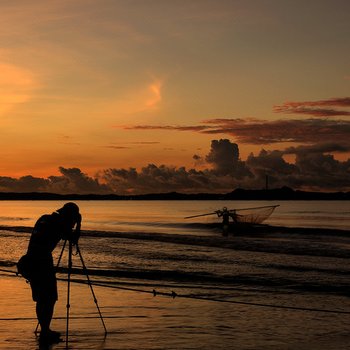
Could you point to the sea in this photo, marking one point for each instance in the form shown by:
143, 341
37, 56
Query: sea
170, 282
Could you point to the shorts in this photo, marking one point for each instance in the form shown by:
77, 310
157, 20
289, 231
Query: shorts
43, 281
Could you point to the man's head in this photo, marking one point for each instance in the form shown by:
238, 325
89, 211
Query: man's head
70, 211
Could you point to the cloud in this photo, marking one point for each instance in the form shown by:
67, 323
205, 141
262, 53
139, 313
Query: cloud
160, 179
150, 178
117, 147
265, 132
311, 170
316, 112
198, 160
329, 147
144, 142
317, 170
340, 102
130, 145
309, 107
314, 169
262, 131
270, 163
71, 180
74, 181
23, 184
224, 155
197, 128
259, 131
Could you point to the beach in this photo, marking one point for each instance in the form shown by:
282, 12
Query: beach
140, 321
167, 286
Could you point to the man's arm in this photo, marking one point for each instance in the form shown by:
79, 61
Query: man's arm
76, 232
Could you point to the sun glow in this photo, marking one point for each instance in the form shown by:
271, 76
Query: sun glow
155, 92
16, 86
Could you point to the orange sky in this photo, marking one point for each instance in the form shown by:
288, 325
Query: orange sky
109, 84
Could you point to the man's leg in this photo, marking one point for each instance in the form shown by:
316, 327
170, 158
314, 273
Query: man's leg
44, 312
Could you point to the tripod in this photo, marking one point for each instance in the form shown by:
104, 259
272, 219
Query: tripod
70, 265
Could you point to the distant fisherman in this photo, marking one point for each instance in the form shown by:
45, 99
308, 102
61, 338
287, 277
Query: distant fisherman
225, 214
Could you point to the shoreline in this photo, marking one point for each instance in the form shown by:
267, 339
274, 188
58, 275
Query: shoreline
282, 194
240, 229
262, 238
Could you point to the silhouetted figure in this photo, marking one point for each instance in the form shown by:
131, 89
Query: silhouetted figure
225, 214
47, 232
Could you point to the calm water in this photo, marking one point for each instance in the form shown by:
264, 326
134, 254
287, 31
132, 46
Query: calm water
168, 216
149, 245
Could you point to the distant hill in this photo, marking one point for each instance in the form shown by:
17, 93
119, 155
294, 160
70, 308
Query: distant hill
284, 193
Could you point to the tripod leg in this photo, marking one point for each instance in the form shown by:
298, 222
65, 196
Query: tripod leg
90, 285
60, 257
68, 291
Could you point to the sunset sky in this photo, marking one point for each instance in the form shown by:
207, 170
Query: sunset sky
135, 96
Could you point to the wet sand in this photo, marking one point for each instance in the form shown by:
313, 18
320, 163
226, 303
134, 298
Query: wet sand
141, 321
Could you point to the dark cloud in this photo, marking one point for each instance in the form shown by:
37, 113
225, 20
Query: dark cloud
262, 132
145, 143
117, 147
160, 179
223, 156
128, 145
270, 163
317, 170
311, 170
312, 107
316, 112
198, 160
339, 102
266, 132
314, 168
329, 147
72, 180
197, 128
23, 184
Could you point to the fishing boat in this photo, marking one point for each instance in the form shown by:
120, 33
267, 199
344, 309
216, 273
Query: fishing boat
252, 216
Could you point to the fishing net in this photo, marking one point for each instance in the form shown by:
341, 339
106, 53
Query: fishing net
254, 215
